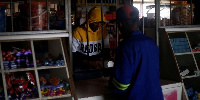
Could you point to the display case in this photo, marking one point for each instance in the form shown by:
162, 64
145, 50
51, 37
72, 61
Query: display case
34, 51
180, 56
35, 67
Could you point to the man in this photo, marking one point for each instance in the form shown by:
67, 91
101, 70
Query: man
136, 74
88, 56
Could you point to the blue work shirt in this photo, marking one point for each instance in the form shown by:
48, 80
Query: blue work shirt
136, 72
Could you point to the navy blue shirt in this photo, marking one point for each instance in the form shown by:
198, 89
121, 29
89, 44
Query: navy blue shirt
136, 73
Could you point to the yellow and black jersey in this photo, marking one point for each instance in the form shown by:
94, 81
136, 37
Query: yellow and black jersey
79, 41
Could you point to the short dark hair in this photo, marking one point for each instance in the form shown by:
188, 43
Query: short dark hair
128, 14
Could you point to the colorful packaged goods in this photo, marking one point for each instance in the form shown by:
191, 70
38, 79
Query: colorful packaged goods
20, 58
38, 16
21, 86
180, 45
50, 61
54, 87
2, 16
181, 16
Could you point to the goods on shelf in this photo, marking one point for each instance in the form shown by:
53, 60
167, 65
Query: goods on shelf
110, 16
192, 95
165, 22
97, 1
196, 47
181, 16
38, 16
185, 71
54, 87
21, 86
2, 16
18, 58
180, 45
50, 61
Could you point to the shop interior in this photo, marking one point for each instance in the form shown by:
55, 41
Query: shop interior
36, 48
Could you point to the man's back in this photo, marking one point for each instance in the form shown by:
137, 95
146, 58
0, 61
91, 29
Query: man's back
138, 55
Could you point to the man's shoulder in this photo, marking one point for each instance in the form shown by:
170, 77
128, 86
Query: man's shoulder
79, 31
80, 28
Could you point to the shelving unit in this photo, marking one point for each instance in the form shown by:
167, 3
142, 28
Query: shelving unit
180, 57
40, 37
61, 72
96, 4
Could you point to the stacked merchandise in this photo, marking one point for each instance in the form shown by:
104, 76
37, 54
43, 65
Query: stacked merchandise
196, 47
38, 17
181, 16
180, 45
97, 1
50, 61
54, 87
21, 86
2, 16
192, 94
17, 58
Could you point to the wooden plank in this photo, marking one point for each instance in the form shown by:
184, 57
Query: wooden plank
168, 67
73, 91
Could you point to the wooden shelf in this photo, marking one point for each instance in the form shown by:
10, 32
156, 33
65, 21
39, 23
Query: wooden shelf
196, 52
56, 97
96, 4
32, 98
184, 77
50, 67
177, 54
20, 69
33, 36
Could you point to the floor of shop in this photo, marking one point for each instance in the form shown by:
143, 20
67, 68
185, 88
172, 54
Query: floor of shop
93, 89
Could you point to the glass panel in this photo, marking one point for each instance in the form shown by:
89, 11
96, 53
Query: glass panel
181, 13
19, 16
147, 16
3, 14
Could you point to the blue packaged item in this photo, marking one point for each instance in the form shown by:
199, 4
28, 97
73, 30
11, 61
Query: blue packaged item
51, 63
2, 17
62, 62
6, 65
58, 63
171, 40
46, 63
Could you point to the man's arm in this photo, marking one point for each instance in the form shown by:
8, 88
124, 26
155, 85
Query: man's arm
123, 69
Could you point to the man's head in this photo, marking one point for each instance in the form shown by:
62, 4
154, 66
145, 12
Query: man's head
128, 19
94, 18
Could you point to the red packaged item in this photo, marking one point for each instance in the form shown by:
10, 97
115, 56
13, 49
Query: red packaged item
8, 81
3, 54
54, 81
30, 78
23, 50
42, 81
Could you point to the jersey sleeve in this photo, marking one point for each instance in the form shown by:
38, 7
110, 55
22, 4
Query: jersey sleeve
75, 41
124, 69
